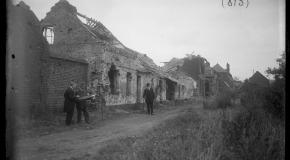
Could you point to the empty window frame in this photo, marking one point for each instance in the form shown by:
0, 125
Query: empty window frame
48, 33
114, 79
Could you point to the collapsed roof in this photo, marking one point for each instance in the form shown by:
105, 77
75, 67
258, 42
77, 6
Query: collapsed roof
102, 36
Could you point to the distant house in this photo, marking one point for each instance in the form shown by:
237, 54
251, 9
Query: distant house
259, 79
210, 80
195, 67
225, 79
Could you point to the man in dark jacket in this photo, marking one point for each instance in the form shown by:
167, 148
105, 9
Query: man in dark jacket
81, 105
69, 102
149, 96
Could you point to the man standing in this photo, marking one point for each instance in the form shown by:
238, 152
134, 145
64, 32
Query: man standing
81, 105
69, 102
149, 96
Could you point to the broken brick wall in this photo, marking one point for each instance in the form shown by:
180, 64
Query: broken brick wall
56, 76
121, 96
126, 65
158, 88
73, 39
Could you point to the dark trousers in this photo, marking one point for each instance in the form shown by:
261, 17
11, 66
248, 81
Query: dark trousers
149, 107
82, 108
69, 115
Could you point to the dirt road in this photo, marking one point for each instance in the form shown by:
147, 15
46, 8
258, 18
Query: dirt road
79, 143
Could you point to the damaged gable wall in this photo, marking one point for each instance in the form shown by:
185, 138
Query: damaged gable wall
36, 78
71, 38
25, 46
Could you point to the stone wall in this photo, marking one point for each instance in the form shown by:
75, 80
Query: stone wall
122, 97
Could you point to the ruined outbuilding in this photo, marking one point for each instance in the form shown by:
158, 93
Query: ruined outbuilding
195, 67
210, 80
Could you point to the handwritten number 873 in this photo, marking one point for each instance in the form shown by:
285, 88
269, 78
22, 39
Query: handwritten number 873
231, 3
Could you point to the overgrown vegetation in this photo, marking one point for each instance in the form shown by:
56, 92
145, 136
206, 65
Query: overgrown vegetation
271, 99
254, 135
221, 101
258, 132
232, 133
253, 130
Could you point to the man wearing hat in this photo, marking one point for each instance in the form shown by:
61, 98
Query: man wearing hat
69, 102
149, 96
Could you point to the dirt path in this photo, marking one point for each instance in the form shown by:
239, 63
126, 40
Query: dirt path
78, 143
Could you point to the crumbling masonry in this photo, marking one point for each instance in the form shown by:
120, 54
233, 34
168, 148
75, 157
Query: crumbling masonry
67, 45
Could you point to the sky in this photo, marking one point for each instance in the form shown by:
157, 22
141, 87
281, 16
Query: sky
249, 39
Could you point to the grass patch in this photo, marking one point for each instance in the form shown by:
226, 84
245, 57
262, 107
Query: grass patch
188, 136
221, 134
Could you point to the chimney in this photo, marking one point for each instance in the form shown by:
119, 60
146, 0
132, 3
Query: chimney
228, 68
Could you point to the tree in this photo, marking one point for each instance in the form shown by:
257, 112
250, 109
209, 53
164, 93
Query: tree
277, 96
278, 73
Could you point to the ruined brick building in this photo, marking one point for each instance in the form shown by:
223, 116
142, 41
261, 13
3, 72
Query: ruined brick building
67, 45
209, 80
122, 72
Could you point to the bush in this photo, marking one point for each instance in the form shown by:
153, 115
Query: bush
268, 99
274, 104
254, 135
222, 100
